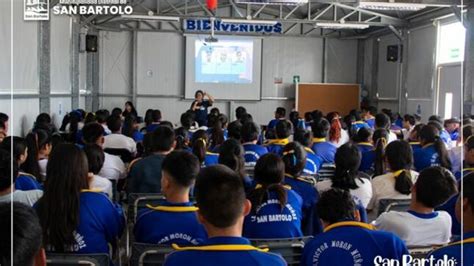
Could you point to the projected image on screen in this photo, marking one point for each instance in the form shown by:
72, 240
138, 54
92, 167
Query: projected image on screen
224, 62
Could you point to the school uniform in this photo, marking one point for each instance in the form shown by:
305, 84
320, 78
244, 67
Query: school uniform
177, 222
145, 175
362, 194
324, 149
102, 184
305, 188
229, 251
113, 168
415, 146
269, 220
100, 223
450, 207
201, 113
119, 141
425, 157
272, 124
29, 197
446, 138
313, 162
371, 122
210, 159
417, 229
151, 127
383, 187
253, 152
276, 145
26, 182
455, 249
454, 135
358, 125
344, 138
352, 243
138, 136
367, 156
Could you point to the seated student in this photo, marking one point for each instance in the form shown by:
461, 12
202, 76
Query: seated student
75, 218
199, 148
95, 159
116, 140
222, 206
282, 133
215, 133
409, 123
43, 121
176, 216
131, 128
345, 240
437, 122
379, 138
231, 154
397, 183
421, 225
253, 151
39, 147
313, 161
366, 149
280, 114
369, 116
433, 151
321, 147
4, 121
24, 181
145, 174
452, 127
27, 236
101, 118
413, 137
463, 247
358, 121
347, 175
113, 168
182, 139
117, 112
8, 175
276, 209
382, 121
155, 121
234, 130
294, 157
337, 135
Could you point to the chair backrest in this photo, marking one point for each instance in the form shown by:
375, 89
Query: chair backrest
149, 254
386, 205
124, 154
64, 259
327, 171
291, 249
137, 201
420, 252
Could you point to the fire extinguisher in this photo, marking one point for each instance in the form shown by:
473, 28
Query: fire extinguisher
211, 4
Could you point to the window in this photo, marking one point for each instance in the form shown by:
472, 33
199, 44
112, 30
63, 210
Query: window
448, 105
451, 43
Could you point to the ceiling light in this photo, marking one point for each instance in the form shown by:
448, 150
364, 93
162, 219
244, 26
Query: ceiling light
147, 17
335, 25
249, 21
391, 6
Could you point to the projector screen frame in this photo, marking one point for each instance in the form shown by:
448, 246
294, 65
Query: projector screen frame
253, 90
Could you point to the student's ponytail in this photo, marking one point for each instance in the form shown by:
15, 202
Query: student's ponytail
217, 134
35, 141
442, 153
400, 159
269, 175
231, 154
347, 161
379, 138
200, 145
181, 138
294, 158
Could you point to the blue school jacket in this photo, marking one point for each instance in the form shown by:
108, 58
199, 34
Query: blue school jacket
210, 159
324, 149
228, 251
305, 188
313, 162
454, 135
26, 181
101, 222
276, 145
253, 152
358, 125
352, 243
415, 146
169, 223
370, 122
271, 221
453, 251
273, 123
450, 207
426, 157
367, 156
152, 127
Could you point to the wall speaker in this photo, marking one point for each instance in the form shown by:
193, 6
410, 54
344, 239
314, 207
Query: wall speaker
393, 54
91, 43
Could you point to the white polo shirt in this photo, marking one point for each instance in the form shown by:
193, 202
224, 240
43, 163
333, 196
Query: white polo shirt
362, 193
417, 229
119, 141
102, 184
113, 168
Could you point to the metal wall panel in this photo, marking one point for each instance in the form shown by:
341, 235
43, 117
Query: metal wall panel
60, 54
341, 61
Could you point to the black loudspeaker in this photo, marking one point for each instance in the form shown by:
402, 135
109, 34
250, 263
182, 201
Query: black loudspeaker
91, 43
393, 54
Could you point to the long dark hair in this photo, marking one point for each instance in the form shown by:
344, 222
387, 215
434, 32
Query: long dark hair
133, 111
430, 134
380, 139
182, 138
269, 174
199, 144
58, 209
74, 118
148, 117
231, 154
17, 144
347, 161
35, 141
217, 133
400, 157
128, 125
294, 158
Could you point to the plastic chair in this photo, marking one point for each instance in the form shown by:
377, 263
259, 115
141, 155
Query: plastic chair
291, 249
64, 259
149, 254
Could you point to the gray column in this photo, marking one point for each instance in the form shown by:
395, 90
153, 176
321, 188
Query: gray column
74, 65
44, 61
92, 98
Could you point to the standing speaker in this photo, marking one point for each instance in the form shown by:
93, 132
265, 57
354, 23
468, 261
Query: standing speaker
393, 54
91, 43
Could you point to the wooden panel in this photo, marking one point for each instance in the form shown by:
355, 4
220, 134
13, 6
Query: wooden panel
328, 97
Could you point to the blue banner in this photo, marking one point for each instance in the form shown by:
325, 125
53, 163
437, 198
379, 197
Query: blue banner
219, 26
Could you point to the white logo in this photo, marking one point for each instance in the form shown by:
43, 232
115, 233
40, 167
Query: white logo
409, 260
36, 9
